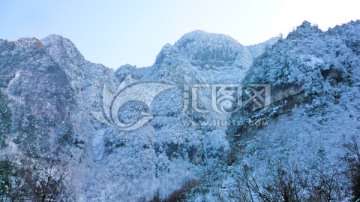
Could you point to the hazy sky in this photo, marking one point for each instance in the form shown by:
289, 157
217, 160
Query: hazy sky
118, 32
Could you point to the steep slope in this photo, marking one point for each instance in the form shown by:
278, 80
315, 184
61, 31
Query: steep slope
39, 96
301, 150
48, 124
170, 154
49, 93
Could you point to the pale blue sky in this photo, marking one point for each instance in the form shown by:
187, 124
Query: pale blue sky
118, 32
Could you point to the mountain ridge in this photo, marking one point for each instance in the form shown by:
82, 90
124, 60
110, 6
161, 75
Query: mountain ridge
51, 89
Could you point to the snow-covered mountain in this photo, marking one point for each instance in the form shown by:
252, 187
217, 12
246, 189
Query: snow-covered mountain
311, 130
53, 143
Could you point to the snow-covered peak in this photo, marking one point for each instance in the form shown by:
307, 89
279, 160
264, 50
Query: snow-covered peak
304, 30
207, 51
200, 36
60, 47
203, 46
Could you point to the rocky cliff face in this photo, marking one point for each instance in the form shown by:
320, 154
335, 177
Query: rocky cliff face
314, 114
49, 94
